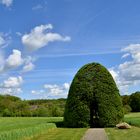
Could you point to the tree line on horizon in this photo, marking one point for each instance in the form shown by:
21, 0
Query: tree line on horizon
12, 106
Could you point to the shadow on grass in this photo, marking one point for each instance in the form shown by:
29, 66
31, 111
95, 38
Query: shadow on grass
59, 124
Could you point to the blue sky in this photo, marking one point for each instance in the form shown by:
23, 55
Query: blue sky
44, 42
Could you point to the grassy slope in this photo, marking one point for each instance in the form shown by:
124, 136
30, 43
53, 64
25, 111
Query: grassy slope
61, 134
127, 134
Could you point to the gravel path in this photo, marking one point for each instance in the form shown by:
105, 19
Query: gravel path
95, 134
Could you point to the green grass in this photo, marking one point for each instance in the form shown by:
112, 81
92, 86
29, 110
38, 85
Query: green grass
126, 134
37, 128
133, 119
19, 128
61, 134
123, 134
44, 128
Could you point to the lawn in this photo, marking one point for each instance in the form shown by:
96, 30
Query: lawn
61, 134
127, 134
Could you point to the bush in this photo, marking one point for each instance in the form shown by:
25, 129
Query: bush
135, 102
93, 99
127, 109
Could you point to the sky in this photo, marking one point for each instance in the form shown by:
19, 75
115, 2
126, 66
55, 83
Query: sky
43, 43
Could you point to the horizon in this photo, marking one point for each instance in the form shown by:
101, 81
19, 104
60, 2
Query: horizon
44, 43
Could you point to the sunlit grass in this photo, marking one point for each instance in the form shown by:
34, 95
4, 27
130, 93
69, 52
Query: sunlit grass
126, 134
62, 134
22, 127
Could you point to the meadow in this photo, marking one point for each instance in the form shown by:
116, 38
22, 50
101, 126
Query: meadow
17, 128
126, 134
43, 128
34, 128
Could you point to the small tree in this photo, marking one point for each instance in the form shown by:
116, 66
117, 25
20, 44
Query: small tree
93, 99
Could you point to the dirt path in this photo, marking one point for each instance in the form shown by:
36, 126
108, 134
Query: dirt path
95, 134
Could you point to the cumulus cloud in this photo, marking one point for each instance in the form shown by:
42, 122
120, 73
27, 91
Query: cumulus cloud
7, 3
128, 73
28, 67
40, 36
12, 85
16, 60
52, 91
12, 82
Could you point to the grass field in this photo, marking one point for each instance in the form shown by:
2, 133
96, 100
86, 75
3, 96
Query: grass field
18, 128
45, 128
61, 134
133, 119
37, 128
127, 134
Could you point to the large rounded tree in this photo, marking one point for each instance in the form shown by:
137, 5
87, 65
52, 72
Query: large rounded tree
93, 99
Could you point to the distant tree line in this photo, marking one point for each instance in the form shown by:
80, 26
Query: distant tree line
12, 106
131, 103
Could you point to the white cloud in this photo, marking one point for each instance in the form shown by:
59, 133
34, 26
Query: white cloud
66, 86
5, 40
2, 41
40, 36
125, 55
7, 3
128, 73
28, 67
37, 7
12, 85
12, 82
52, 91
18, 33
28, 64
14, 60
10, 91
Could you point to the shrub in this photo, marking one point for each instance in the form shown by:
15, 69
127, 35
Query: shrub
93, 99
127, 109
135, 102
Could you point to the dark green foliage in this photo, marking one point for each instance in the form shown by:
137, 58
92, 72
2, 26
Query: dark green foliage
93, 99
126, 99
135, 102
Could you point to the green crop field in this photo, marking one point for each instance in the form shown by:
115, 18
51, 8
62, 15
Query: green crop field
27, 128
127, 134
19, 128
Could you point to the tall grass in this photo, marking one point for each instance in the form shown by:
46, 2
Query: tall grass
133, 119
19, 134
20, 128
